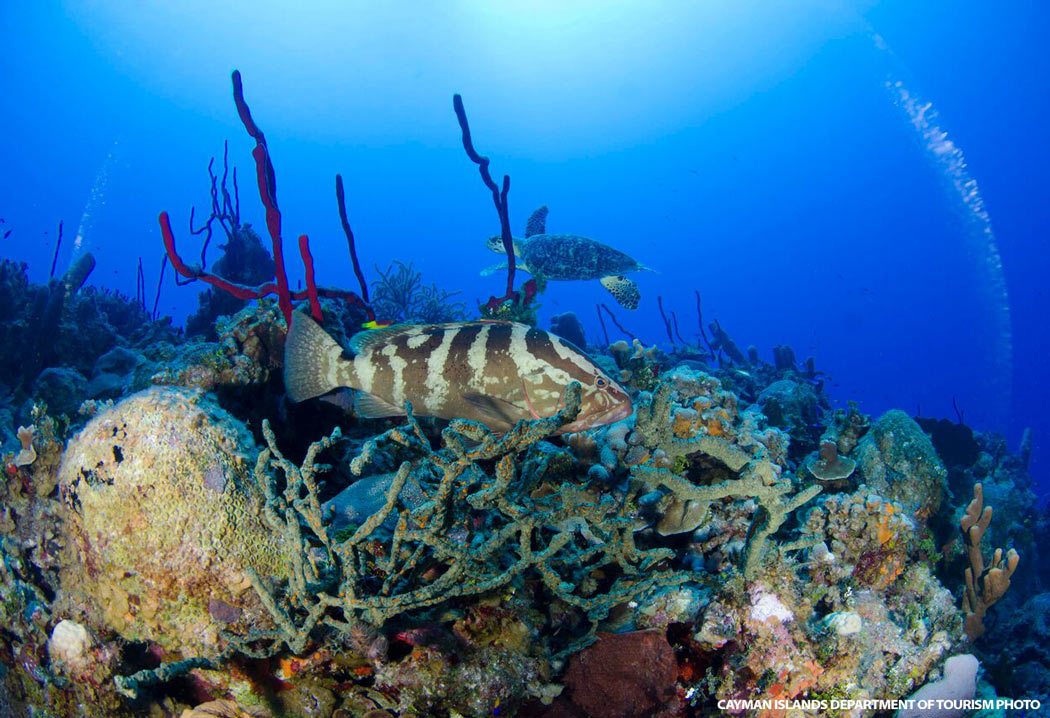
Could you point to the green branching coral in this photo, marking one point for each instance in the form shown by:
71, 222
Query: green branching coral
400, 295
758, 477
470, 532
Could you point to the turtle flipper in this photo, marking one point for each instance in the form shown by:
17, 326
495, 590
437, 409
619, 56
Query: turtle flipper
493, 269
624, 291
537, 223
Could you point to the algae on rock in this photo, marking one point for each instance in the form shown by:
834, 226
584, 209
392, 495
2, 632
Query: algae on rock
898, 461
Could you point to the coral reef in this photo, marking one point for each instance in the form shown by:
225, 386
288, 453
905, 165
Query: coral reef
1020, 663
61, 331
651, 567
845, 629
637, 366
864, 539
515, 521
430, 570
689, 418
244, 261
795, 407
177, 539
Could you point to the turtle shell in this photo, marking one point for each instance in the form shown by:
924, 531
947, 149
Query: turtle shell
569, 256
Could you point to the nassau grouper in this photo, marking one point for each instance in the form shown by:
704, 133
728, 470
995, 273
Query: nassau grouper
494, 372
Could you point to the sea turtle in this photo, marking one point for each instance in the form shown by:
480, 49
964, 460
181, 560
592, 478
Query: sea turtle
569, 256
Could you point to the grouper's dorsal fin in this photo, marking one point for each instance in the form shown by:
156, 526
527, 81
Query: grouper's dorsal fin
537, 223
369, 338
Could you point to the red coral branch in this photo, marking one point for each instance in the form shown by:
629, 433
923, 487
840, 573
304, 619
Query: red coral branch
193, 272
311, 283
267, 182
267, 193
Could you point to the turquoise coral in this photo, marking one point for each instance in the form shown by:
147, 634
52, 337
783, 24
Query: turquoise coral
473, 533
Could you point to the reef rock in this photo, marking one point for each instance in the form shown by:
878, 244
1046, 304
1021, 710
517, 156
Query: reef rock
61, 388
569, 327
791, 406
898, 461
164, 522
113, 372
1022, 648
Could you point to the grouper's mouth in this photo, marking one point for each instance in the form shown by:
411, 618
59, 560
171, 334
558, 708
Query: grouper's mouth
621, 411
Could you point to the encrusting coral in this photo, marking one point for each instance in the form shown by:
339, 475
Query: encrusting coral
638, 365
827, 466
704, 421
866, 538
985, 585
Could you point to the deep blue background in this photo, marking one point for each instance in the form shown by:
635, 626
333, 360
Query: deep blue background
748, 152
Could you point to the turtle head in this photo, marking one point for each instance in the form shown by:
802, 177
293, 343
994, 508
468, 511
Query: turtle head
495, 244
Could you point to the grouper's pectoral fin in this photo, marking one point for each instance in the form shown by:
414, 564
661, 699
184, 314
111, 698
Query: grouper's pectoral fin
497, 414
370, 406
624, 291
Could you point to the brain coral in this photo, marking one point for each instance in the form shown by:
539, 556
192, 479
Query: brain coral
163, 520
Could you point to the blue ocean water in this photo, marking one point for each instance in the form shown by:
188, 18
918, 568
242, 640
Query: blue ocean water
863, 181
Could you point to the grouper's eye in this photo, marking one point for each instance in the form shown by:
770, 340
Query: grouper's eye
600, 382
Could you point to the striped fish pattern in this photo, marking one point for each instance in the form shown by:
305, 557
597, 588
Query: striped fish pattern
493, 372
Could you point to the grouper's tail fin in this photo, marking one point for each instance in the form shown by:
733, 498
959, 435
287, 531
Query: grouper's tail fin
314, 363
